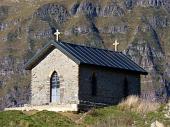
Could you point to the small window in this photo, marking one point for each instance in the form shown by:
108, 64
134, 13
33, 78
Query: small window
94, 84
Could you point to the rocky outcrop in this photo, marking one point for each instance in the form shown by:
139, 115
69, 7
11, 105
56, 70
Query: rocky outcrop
88, 8
157, 124
17, 96
3, 12
54, 12
154, 3
167, 111
148, 52
96, 9
158, 22
73, 9
114, 29
112, 9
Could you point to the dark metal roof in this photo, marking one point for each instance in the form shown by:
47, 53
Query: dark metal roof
87, 55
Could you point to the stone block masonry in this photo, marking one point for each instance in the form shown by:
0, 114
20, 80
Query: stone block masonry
67, 71
110, 85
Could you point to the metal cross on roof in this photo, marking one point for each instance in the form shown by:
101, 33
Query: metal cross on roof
57, 33
115, 44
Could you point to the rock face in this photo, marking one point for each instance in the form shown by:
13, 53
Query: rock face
140, 26
50, 12
167, 111
157, 124
148, 52
3, 12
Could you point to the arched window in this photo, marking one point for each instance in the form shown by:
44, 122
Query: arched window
54, 88
94, 84
126, 89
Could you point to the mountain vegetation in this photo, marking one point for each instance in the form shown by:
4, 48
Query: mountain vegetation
126, 114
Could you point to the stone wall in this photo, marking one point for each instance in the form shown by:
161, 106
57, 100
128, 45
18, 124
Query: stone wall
110, 85
68, 77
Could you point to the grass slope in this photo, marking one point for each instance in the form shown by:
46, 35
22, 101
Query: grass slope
102, 117
40, 119
114, 116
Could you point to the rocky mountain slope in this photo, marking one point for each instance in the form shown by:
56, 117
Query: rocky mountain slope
141, 27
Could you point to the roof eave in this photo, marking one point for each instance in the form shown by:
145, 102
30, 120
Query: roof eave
144, 73
44, 52
134, 71
30, 64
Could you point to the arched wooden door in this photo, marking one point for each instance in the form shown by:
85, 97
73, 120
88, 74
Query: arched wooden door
54, 88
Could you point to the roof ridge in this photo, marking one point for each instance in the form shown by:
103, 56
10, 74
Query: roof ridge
88, 47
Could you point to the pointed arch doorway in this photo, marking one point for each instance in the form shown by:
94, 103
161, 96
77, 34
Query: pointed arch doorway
54, 88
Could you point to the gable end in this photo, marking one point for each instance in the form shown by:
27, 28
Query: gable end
48, 48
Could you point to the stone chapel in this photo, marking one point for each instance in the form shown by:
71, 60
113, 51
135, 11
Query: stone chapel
65, 73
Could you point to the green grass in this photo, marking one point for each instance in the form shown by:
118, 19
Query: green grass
40, 119
109, 115
102, 117
113, 116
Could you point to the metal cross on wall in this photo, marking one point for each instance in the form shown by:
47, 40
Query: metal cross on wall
57, 33
115, 44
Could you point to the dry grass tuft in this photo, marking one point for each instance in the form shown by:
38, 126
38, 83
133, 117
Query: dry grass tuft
146, 106
136, 104
130, 102
110, 122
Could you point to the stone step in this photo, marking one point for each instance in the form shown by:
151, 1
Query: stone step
54, 107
